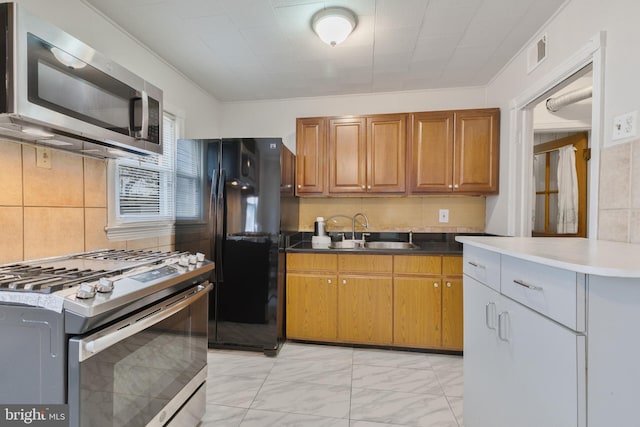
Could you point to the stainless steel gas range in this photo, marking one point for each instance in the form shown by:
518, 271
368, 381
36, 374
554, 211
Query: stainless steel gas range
119, 336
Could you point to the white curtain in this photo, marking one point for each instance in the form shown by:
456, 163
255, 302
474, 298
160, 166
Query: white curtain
567, 191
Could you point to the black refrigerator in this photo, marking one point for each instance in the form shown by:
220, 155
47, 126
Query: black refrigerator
249, 210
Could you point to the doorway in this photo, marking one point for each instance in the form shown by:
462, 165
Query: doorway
527, 125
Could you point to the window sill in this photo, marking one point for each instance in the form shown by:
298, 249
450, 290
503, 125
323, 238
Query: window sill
139, 230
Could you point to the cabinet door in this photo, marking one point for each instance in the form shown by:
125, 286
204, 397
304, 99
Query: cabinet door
417, 309
431, 153
452, 317
545, 367
311, 156
347, 156
365, 309
287, 172
311, 307
386, 153
476, 153
483, 375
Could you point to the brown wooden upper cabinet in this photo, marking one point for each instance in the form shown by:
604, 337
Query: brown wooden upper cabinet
311, 146
445, 152
287, 172
367, 154
455, 151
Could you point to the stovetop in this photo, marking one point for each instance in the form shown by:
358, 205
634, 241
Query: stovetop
93, 282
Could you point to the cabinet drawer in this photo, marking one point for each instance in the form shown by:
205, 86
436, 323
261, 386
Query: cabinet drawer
556, 293
482, 265
365, 263
417, 264
312, 262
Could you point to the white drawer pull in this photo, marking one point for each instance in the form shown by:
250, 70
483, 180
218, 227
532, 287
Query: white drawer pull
527, 285
490, 314
503, 326
474, 264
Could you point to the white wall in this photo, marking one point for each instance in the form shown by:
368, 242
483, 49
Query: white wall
277, 118
569, 30
181, 96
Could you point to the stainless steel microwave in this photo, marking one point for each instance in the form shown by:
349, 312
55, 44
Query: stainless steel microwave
62, 93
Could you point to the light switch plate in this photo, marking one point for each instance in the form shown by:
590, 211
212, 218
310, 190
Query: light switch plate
624, 125
443, 215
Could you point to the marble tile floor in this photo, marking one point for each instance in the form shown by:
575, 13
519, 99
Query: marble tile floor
318, 386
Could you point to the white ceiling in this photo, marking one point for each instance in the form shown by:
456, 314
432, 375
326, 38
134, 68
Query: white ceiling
265, 49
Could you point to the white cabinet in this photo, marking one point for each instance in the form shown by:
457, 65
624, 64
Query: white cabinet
521, 368
483, 373
564, 303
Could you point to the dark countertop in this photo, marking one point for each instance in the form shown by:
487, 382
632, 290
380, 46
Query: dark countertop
428, 243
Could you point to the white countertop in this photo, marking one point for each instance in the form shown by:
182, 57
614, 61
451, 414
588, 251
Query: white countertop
597, 257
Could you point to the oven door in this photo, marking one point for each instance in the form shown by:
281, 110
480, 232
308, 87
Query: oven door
141, 370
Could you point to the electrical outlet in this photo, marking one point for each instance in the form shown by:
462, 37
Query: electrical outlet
443, 215
43, 157
624, 125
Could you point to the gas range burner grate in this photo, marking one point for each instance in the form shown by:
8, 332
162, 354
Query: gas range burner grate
126, 255
24, 277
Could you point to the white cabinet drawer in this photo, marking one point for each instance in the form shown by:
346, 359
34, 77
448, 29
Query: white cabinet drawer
482, 265
558, 294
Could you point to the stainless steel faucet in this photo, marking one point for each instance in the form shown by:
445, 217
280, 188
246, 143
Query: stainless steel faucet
353, 224
353, 220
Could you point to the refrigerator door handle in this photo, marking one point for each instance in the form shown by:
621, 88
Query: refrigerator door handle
219, 224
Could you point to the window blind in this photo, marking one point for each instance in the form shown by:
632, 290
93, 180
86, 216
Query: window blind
145, 186
189, 180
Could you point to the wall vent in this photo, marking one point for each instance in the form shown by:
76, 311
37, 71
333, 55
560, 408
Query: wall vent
536, 53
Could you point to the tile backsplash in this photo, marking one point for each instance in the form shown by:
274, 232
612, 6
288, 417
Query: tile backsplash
420, 214
48, 212
619, 204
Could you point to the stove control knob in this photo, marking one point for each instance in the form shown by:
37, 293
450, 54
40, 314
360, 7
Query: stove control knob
200, 257
184, 261
192, 259
86, 291
105, 285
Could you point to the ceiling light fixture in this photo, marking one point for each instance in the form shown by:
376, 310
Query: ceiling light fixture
334, 24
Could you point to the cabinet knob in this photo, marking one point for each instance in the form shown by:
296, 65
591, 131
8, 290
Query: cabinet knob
344, 282
299, 185
369, 187
448, 284
363, 187
329, 281
455, 186
450, 186
435, 285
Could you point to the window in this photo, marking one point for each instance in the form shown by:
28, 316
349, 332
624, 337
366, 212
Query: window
189, 181
142, 192
546, 160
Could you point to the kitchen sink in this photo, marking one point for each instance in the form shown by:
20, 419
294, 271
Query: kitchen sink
390, 245
345, 244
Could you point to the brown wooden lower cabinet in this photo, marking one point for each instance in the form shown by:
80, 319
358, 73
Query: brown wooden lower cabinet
417, 304
365, 309
399, 300
312, 301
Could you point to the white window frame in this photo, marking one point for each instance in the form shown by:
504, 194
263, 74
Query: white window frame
123, 227
197, 177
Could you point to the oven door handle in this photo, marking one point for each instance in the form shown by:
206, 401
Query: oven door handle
94, 344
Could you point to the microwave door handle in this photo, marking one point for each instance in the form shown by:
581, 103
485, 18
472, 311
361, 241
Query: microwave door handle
144, 131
